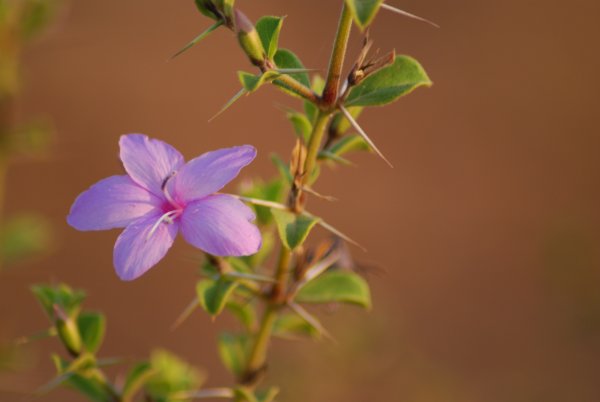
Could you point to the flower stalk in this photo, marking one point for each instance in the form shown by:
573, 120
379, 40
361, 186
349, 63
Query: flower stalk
336, 63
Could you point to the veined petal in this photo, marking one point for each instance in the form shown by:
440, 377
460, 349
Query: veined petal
113, 202
210, 172
149, 162
142, 245
221, 225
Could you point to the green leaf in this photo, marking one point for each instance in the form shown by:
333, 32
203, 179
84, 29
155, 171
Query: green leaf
252, 82
363, 11
61, 295
137, 377
239, 264
268, 28
91, 327
292, 326
244, 311
267, 395
286, 59
79, 375
233, 352
389, 83
282, 167
272, 190
302, 126
32, 139
348, 144
36, 15
227, 6
336, 286
243, 394
293, 229
206, 7
24, 236
171, 375
213, 295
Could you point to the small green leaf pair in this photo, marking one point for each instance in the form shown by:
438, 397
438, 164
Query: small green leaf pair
79, 332
166, 376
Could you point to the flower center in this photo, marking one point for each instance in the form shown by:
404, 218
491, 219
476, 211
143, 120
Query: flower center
172, 208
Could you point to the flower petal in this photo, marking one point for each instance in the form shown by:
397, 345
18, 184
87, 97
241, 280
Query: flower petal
149, 162
137, 249
220, 225
113, 202
210, 172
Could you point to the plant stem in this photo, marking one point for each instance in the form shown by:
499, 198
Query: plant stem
298, 88
336, 63
258, 354
314, 144
258, 357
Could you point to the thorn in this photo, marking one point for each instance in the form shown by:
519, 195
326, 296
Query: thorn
409, 15
252, 277
295, 70
205, 394
262, 203
335, 231
229, 103
320, 267
310, 319
318, 195
363, 134
334, 157
197, 39
189, 309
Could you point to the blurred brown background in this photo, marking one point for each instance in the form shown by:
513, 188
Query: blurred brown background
488, 227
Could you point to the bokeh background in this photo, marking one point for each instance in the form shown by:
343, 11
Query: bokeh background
485, 236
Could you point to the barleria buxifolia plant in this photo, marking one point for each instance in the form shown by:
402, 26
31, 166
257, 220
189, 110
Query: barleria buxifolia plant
161, 195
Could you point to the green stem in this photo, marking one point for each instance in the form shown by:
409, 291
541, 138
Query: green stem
258, 356
298, 88
336, 63
314, 144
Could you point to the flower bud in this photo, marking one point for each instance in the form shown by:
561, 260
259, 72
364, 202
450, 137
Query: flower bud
208, 8
249, 39
68, 331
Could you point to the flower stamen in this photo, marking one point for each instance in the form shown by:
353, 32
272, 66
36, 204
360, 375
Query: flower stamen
166, 191
165, 218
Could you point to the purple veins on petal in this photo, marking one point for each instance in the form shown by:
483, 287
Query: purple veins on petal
111, 203
221, 225
136, 250
148, 161
210, 172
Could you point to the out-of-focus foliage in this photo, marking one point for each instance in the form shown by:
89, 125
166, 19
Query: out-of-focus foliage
22, 236
20, 21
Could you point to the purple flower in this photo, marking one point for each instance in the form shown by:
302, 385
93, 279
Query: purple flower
161, 195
